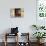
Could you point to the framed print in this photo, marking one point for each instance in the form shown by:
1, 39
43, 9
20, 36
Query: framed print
17, 12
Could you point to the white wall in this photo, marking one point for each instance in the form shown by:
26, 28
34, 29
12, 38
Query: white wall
23, 23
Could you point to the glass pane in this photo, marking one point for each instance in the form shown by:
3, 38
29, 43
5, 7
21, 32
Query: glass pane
41, 14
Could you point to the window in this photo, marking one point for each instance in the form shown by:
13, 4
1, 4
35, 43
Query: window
41, 8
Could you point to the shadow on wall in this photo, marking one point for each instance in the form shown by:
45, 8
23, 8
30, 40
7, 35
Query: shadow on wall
8, 30
32, 38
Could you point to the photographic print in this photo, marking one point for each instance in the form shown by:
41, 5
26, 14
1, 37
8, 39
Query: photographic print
17, 12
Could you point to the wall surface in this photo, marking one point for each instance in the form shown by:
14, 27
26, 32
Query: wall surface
23, 23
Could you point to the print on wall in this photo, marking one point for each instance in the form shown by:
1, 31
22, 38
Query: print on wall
17, 12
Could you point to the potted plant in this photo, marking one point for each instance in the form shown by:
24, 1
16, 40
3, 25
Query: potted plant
35, 26
38, 27
39, 35
42, 27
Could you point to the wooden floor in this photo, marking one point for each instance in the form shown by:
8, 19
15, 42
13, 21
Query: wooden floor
13, 44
